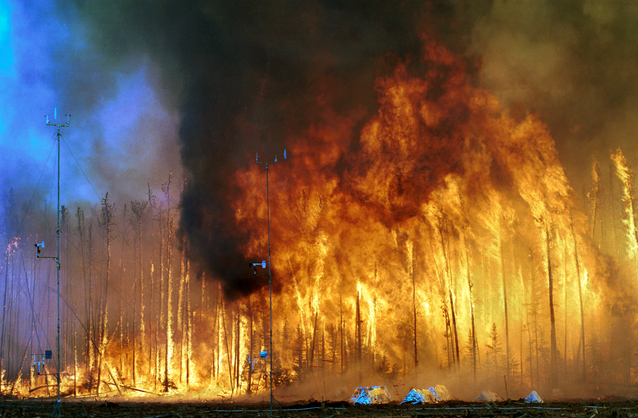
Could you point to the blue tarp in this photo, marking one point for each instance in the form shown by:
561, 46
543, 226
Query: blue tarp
533, 398
437, 393
370, 395
440, 393
419, 396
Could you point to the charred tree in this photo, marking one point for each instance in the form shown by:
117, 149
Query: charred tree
552, 318
138, 208
106, 223
534, 313
341, 340
314, 339
613, 211
251, 354
444, 307
594, 196
120, 320
168, 352
358, 342
87, 286
446, 257
470, 286
188, 324
416, 356
507, 325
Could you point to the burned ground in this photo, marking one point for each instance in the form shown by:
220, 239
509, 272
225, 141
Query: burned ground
614, 408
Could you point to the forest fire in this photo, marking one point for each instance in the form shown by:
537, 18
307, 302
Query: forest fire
437, 242
449, 244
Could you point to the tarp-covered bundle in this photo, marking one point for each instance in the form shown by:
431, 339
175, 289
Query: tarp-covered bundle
440, 393
488, 396
370, 395
437, 393
419, 396
533, 398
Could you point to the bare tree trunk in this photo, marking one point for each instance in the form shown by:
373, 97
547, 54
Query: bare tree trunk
228, 353
323, 357
507, 324
446, 317
250, 346
416, 357
594, 196
552, 319
151, 208
202, 304
580, 300
565, 314
4, 315
358, 330
613, 212
106, 221
161, 298
92, 317
153, 360
470, 286
120, 302
188, 320
217, 334
534, 306
341, 341
455, 336
75, 366
180, 316
168, 354
314, 338
138, 208
189, 341
237, 347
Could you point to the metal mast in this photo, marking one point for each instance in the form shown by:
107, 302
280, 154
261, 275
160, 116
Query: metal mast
269, 268
57, 257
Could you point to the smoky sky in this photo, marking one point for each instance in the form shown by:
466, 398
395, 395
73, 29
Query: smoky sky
570, 62
200, 86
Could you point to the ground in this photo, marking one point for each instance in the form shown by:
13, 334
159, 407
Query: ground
612, 408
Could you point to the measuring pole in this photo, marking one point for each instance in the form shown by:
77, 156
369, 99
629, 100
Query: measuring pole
57, 233
269, 269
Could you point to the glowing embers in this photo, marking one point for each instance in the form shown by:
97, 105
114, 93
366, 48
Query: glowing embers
370, 395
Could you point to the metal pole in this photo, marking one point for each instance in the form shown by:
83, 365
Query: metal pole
269, 283
267, 163
57, 232
58, 407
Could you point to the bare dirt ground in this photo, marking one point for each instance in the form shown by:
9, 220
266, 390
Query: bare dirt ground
613, 408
